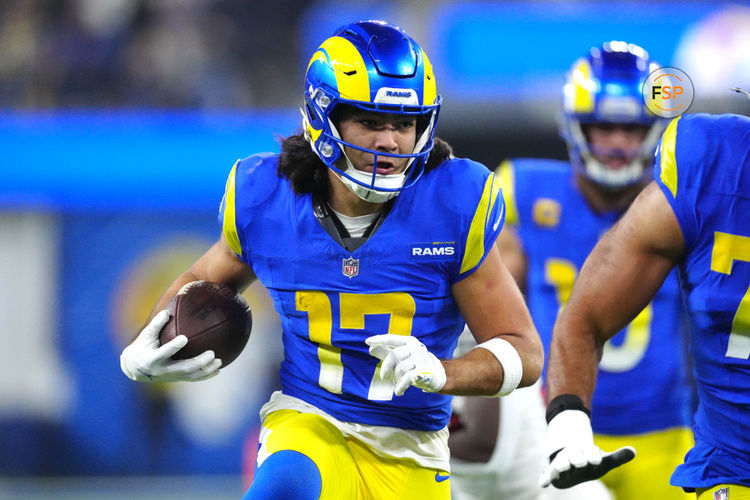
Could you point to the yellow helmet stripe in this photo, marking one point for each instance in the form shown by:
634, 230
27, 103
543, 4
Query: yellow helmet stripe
429, 90
229, 226
507, 176
318, 56
583, 87
668, 159
475, 240
348, 68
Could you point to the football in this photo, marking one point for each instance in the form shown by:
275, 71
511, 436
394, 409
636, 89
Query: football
212, 316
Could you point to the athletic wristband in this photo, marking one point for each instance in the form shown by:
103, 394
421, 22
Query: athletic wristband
508, 357
565, 402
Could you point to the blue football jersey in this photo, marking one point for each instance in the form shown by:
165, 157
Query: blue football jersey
330, 300
642, 384
703, 169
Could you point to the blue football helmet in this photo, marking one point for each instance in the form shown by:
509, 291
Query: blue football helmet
605, 87
377, 67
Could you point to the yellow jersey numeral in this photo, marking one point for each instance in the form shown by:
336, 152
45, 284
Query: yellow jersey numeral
353, 309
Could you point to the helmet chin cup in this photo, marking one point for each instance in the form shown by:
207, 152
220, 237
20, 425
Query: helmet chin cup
607, 177
366, 193
611, 178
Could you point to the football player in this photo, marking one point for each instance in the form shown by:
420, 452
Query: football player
374, 271
557, 211
695, 216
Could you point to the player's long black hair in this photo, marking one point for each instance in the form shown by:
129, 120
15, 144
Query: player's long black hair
308, 174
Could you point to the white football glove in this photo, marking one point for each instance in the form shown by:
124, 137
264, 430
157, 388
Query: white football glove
145, 361
574, 458
407, 362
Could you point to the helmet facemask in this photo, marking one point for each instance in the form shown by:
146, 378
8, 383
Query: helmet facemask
585, 157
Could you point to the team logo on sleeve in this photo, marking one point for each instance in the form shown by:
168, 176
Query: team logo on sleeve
350, 267
433, 250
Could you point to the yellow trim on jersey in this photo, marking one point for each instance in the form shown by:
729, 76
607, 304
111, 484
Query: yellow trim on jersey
229, 227
430, 87
474, 249
583, 87
345, 58
668, 159
507, 176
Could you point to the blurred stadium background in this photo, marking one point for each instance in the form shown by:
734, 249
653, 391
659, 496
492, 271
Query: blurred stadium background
119, 121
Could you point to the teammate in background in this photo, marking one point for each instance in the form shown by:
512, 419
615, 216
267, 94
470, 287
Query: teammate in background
373, 271
694, 216
556, 213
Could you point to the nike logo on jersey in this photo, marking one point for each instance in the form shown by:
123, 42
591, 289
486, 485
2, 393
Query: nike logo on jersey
436, 250
440, 478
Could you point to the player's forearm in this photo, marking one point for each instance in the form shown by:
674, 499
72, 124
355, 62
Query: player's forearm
618, 280
219, 264
479, 373
573, 360
595, 312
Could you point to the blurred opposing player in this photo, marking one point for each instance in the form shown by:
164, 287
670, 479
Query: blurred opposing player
557, 211
694, 216
373, 271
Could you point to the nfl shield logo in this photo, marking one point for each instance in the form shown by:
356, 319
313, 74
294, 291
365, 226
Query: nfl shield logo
350, 267
721, 494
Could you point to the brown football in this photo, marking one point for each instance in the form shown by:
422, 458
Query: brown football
212, 316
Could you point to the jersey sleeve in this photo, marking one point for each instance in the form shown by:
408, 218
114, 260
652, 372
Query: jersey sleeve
249, 183
228, 213
486, 223
675, 156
